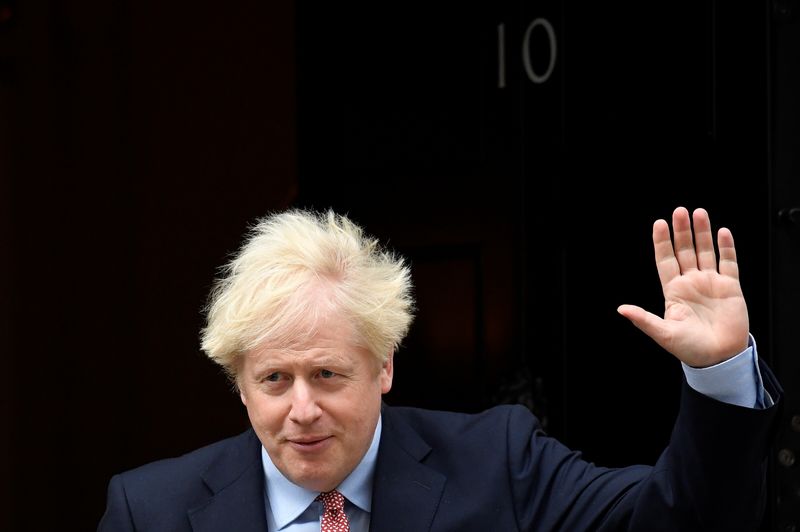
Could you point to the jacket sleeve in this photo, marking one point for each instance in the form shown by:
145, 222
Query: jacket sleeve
711, 477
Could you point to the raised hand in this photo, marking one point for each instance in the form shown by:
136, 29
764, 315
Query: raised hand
705, 315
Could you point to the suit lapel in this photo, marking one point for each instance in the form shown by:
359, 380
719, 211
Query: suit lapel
405, 493
236, 481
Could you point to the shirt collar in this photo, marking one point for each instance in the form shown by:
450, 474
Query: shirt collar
288, 500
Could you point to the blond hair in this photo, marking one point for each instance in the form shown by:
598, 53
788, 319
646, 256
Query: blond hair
265, 291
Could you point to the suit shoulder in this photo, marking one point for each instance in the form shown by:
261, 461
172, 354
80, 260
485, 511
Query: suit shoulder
158, 495
440, 423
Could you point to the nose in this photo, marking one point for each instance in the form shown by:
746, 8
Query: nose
305, 409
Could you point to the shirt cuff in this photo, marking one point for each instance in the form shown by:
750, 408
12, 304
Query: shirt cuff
735, 381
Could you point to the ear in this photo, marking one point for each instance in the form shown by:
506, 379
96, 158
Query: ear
387, 373
242, 395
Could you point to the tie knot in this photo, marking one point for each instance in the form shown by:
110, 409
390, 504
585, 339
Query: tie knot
333, 501
333, 517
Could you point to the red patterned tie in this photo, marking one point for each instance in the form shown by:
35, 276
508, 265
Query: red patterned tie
333, 518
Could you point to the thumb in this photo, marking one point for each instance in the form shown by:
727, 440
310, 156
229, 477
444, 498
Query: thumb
647, 322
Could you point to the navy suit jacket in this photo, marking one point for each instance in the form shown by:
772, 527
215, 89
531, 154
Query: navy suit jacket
492, 471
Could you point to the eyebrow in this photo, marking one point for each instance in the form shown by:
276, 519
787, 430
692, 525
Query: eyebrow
282, 360
333, 360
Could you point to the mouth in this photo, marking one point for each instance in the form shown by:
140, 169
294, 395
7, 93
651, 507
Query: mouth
309, 444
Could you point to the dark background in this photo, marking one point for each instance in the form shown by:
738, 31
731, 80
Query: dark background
139, 139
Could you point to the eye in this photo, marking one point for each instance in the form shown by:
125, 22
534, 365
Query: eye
273, 377
326, 374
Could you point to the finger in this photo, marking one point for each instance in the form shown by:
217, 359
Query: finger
684, 245
704, 241
727, 254
666, 263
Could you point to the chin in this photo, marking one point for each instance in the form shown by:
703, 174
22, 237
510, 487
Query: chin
316, 483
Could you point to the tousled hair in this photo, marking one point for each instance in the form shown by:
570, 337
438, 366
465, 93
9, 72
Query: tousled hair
293, 268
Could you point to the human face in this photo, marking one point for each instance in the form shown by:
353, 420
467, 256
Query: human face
315, 406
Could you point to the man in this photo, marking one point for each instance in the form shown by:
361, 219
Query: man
306, 320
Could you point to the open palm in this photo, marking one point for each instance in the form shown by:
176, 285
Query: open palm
705, 315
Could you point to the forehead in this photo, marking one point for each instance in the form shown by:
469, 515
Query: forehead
329, 338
